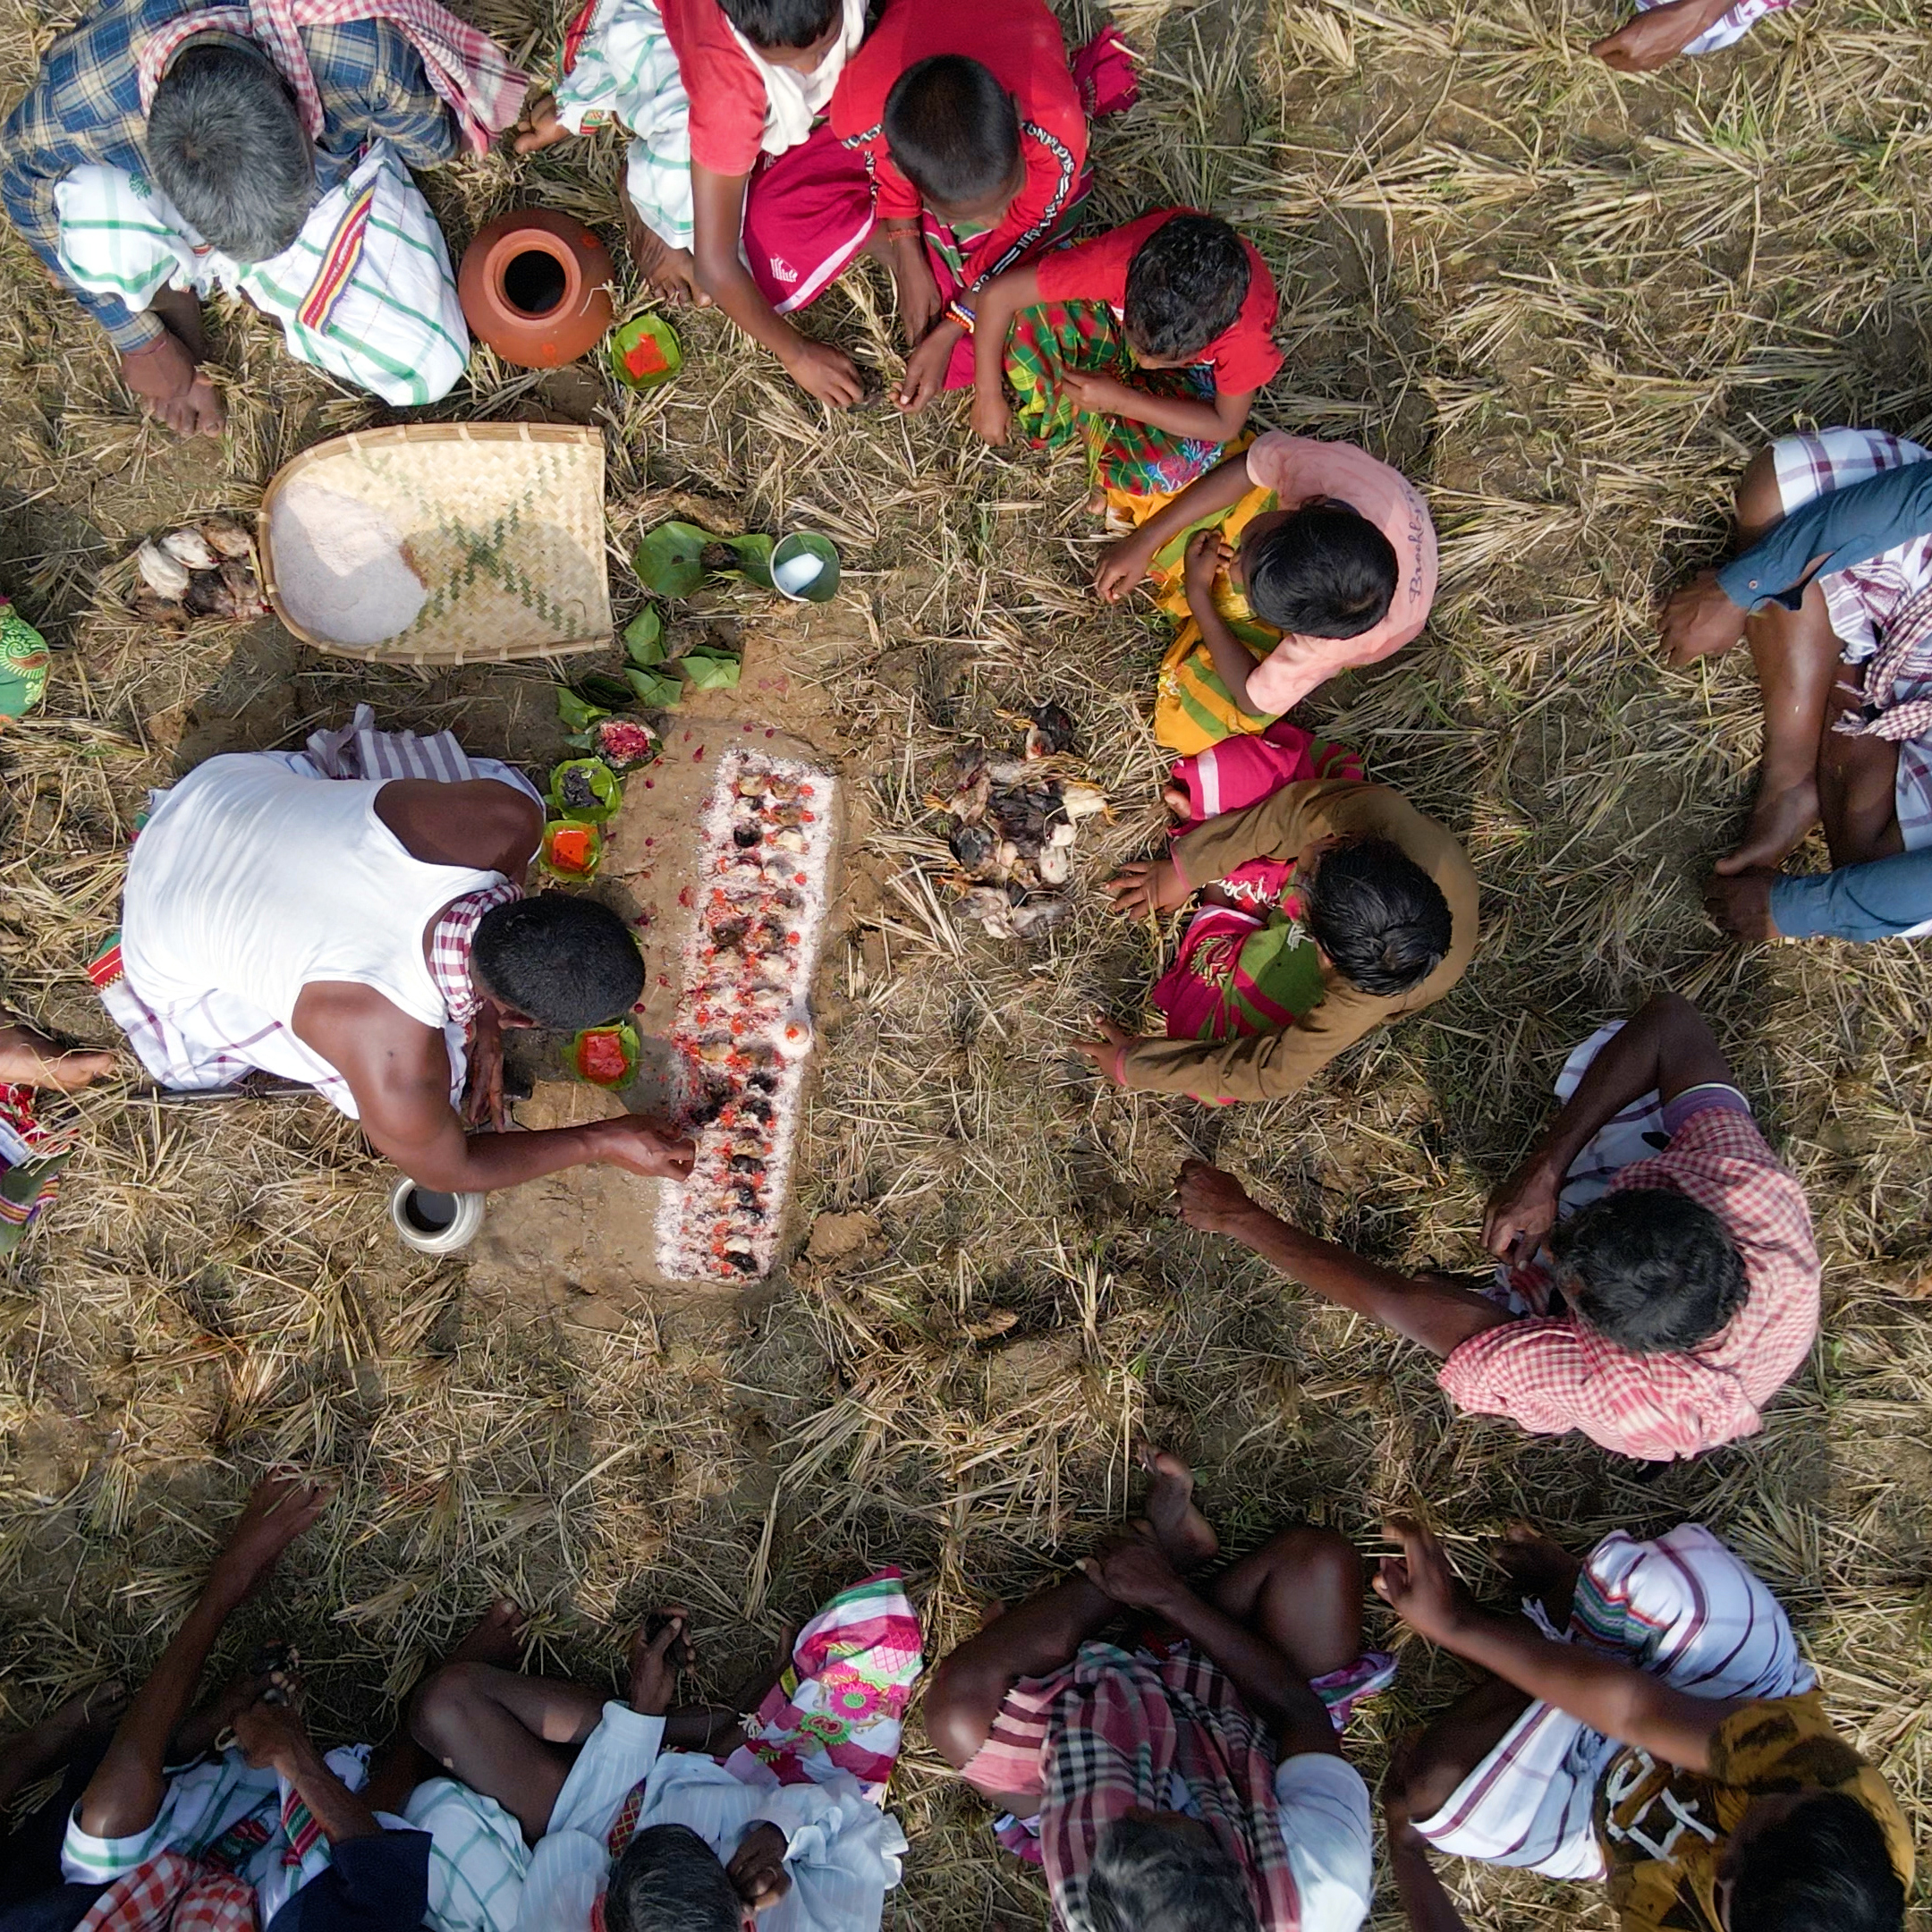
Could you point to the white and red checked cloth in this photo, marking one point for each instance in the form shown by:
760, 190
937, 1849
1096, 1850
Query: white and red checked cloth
484, 90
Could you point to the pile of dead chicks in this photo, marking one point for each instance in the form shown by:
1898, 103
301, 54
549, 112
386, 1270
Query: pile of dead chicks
208, 570
1014, 822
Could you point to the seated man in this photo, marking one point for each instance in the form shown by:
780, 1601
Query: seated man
225, 1839
713, 92
708, 1820
1150, 344
1335, 567
164, 153
1882, 899
1192, 1777
1330, 908
363, 934
1836, 531
1649, 1720
1681, 1288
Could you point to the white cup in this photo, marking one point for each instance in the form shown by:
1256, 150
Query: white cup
434, 1223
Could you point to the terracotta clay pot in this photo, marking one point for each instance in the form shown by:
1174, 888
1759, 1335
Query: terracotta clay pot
535, 285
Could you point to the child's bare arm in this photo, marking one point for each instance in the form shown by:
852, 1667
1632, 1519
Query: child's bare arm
1126, 564
999, 301
718, 220
1204, 419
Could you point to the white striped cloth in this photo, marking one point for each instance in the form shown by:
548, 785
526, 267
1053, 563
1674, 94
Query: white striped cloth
1733, 27
1864, 600
625, 70
1684, 1608
843, 1852
364, 292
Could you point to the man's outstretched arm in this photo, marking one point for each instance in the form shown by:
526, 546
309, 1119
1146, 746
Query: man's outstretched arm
1665, 1048
124, 1795
1437, 1314
1608, 1694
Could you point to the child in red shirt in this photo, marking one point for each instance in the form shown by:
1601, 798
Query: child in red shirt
712, 94
956, 146
1150, 340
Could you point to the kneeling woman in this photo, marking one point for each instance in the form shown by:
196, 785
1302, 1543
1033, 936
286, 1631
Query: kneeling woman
1329, 906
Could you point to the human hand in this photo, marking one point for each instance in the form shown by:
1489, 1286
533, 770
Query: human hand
992, 420
1147, 887
926, 370
1741, 903
1209, 1198
1699, 620
540, 127
272, 1736
279, 1508
826, 372
915, 287
1121, 568
1208, 555
1522, 1212
756, 1868
1099, 395
1135, 1571
164, 377
657, 1656
1650, 40
643, 1146
1419, 1586
1106, 1052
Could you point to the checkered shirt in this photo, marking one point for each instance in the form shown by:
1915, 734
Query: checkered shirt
1553, 1374
450, 944
85, 106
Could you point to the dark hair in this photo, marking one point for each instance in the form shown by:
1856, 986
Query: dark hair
670, 1880
1378, 916
1650, 1269
1823, 1867
1321, 571
563, 961
952, 130
227, 147
1185, 286
782, 23
1147, 1876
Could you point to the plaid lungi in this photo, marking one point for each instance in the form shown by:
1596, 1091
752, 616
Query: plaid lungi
620, 65
364, 292
1684, 1609
174, 1894
1866, 600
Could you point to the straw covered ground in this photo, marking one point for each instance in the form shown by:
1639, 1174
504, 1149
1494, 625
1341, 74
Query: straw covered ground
1570, 305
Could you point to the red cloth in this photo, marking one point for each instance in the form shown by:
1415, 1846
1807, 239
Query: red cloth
1019, 41
173, 1893
808, 214
726, 90
1243, 356
1553, 1374
467, 68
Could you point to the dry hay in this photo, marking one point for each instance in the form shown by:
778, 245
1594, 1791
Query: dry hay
1571, 304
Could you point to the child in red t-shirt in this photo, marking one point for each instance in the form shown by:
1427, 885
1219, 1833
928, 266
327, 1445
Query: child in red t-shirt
713, 94
955, 148
1150, 340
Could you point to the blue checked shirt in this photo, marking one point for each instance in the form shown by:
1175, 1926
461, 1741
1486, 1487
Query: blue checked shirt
85, 106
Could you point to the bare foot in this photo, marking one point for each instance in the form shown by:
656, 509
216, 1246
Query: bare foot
670, 273
1742, 904
1186, 1535
500, 1636
279, 1508
1652, 39
1176, 799
1779, 820
1096, 503
1539, 1566
30, 1059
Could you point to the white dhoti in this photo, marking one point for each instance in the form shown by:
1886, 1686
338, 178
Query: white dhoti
364, 292
623, 69
1684, 1609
